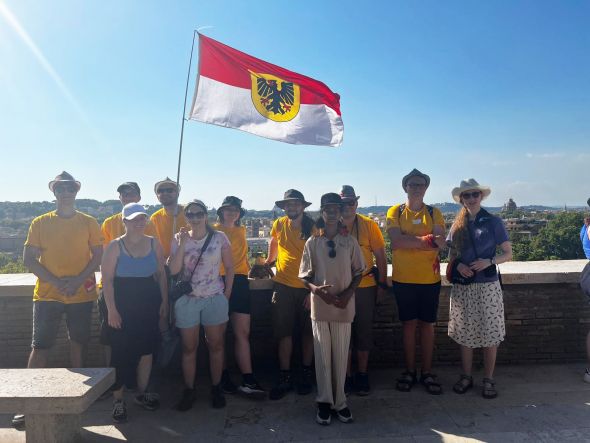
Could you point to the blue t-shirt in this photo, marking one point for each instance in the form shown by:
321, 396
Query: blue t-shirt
585, 241
487, 232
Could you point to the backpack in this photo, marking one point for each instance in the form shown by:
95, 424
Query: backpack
401, 208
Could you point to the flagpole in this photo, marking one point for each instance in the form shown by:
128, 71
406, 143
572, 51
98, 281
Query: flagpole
188, 76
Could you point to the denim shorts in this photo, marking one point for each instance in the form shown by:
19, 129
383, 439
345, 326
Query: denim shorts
193, 311
47, 319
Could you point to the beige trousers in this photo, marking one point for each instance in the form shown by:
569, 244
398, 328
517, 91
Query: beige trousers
331, 341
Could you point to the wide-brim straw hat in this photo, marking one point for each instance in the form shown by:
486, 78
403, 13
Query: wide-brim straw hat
470, 185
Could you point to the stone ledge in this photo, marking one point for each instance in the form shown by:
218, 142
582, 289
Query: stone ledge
513, 273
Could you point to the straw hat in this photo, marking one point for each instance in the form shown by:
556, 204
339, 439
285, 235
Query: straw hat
470, 185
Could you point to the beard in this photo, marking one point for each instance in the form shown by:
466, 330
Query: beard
293, 215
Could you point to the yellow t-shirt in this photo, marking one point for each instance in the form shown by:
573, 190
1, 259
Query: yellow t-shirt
113, 228
239, 247
162, 222
369, 237
65, 245
290, 250
415, 265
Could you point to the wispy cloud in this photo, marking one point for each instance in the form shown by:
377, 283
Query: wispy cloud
546, 155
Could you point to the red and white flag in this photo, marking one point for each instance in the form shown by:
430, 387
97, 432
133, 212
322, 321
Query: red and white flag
239, 91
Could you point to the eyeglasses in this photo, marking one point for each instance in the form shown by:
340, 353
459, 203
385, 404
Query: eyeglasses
71, 188
467, 195
198, 215
332, 245
350, 203
166, 190
416, 185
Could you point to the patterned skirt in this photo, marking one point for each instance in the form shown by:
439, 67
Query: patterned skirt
476, 317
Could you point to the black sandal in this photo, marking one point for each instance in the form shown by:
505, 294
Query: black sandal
489, 389
406, 381
464, 384
430, 383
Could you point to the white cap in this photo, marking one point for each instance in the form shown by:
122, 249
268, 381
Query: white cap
132, 210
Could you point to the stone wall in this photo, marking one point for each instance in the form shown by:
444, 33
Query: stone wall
547, 319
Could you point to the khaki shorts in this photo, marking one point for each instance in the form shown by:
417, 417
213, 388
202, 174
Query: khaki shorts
362, 326
287, 311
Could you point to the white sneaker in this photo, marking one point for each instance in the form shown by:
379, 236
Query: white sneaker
587, 375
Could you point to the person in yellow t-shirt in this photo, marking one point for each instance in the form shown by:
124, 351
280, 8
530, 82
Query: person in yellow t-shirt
230, 214
369, 236
291, 300
168, 220
417, 232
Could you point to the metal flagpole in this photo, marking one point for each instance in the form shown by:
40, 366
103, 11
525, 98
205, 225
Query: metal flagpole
188, 76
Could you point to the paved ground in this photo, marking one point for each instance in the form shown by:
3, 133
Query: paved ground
542, 403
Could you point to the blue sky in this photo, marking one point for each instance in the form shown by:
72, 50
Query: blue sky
495, 90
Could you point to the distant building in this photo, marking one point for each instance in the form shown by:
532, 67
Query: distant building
509, 206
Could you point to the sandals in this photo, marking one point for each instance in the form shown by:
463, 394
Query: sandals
406, 381
464, 384
429, 381
489, 389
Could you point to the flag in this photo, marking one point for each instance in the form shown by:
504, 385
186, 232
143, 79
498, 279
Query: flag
239, 91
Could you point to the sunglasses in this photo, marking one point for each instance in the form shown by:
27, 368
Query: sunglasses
166, 190
416, 185
58, 189
332, 245
350, 203
197, 215
468, 195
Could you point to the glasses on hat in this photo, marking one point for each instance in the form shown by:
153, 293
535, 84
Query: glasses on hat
199, 215
65, 187
332, 245
166, 190
468, 195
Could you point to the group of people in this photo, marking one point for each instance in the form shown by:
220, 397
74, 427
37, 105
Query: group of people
175, 269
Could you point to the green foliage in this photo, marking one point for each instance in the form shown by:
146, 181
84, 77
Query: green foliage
9, 265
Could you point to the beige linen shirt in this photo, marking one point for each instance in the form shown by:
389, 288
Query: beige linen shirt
318, 268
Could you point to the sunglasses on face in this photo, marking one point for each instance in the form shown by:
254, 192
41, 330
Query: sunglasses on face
197, 215
416, 185
332, 245
166, 190
350, 203
467, 195
58, 189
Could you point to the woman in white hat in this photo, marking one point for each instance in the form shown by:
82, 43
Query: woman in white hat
476, 318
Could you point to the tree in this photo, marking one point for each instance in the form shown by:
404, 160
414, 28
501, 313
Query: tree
10, 265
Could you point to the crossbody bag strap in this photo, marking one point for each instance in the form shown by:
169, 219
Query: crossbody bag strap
203, 249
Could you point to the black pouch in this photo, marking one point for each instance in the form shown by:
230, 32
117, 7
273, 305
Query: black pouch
490, 271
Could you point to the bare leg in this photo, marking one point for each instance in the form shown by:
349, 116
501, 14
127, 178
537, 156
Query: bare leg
190, 343
409, 337
307, 349
144, 368
38, 358
489, 361
118, 394
466, 359
427, 345
215, 336
76, 354
285, 349
241, 326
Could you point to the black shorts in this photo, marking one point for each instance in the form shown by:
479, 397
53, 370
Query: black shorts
47, 320
417, 301
239, 302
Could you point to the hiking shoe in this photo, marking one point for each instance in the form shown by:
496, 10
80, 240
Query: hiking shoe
362, 384
187, 400
119, 411
587, 375
217, 397
227, 385
148, 400
348, 385
344, 415
284, 385
18, 421
252, 389
306, 383
324, 414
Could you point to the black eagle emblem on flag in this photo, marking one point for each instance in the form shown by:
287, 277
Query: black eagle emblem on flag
276, 96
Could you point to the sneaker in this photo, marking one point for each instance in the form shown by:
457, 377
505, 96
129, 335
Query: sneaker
306, 383
587, 375
324, 414
227, 386
119, 411
344, 415
251, 389
284, 385
18, 421
217, 397
187, 400
348, 385
148, 400
362, 384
